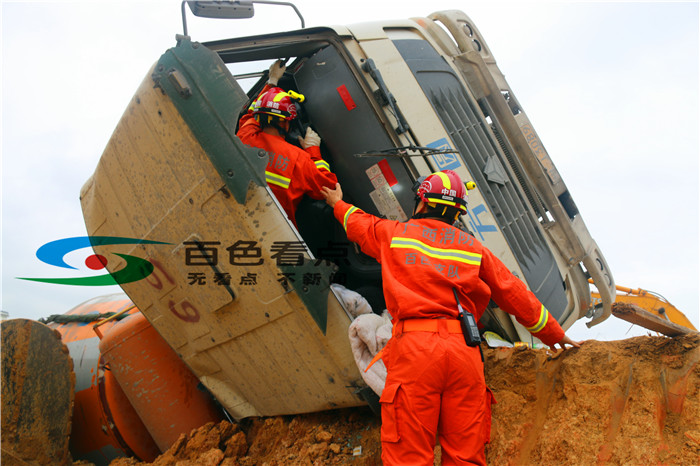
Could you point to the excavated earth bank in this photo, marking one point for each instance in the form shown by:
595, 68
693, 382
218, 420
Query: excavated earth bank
628, 402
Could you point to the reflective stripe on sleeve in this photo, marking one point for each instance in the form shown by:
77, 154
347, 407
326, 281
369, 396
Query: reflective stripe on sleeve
322, 165
541, 322
447, 254
277, 180
347, 214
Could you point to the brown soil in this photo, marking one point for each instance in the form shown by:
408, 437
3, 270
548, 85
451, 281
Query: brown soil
38, 388
631, 402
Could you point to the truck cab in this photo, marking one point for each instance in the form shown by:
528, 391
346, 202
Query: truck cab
395, 101
242, 295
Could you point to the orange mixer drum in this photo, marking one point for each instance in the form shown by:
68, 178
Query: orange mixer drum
167, 396
104, 425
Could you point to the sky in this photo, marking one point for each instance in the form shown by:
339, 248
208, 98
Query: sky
611, 89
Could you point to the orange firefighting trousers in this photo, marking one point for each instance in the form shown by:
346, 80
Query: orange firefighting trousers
435, 386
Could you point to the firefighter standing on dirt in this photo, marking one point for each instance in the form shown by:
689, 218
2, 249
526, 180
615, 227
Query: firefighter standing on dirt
435, 383
291, 172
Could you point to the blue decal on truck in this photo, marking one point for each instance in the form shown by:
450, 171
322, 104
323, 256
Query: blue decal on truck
475, 223
444, 161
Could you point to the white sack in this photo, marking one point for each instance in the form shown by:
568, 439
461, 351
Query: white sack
368, 334
354, 302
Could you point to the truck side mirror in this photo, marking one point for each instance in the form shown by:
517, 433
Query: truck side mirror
229, 9
226, 9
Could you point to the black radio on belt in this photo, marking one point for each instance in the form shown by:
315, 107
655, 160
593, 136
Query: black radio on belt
468, 323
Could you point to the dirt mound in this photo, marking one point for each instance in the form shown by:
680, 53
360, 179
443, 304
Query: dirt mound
38, 387
634, 401
328, 438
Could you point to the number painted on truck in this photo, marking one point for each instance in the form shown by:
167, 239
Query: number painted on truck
158, 283
186, 311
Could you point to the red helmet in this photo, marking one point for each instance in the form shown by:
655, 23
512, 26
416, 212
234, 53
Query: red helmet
277, 102
445, 188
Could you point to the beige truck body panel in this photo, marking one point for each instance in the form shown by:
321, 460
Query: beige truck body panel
257, 349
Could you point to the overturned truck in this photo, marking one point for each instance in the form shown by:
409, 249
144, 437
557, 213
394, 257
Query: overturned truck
241, 295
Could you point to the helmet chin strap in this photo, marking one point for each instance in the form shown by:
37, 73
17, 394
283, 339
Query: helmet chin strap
415, 205
430, 213
272, 122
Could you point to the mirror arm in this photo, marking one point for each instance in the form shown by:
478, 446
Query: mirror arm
184, 18
271, 2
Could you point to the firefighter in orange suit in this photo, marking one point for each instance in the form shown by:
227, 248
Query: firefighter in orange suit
291, 172
435, 383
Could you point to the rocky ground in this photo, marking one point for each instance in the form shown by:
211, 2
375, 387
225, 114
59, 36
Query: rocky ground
628, 402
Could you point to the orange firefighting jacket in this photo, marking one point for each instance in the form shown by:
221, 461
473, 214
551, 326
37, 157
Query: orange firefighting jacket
291, 172
424, 259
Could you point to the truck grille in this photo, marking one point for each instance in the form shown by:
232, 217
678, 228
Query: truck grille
496, 181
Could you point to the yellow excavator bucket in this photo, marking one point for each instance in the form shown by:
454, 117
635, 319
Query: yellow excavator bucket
651, 302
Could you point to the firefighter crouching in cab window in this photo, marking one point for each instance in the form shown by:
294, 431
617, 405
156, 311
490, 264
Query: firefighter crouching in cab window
291, 172
435, 376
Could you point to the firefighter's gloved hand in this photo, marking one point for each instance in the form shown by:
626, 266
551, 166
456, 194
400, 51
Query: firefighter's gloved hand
276, 71
567, 341
311, 139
